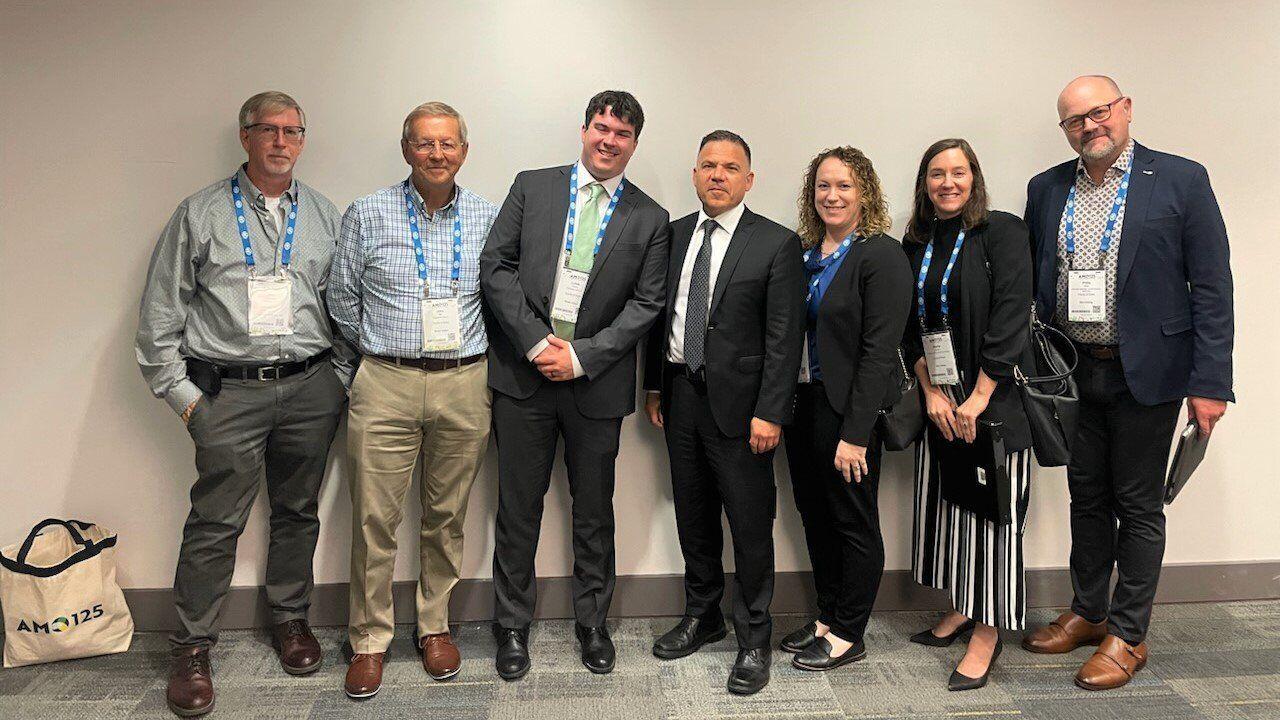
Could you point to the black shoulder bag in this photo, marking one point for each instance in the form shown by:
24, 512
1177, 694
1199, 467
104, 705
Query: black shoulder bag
1049, 393
902, 423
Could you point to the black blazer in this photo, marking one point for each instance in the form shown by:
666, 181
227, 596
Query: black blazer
1173, 282
755, 327
623, 297
859, 325
995, 314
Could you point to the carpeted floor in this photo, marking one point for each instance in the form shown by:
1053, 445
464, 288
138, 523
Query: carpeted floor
1211, 661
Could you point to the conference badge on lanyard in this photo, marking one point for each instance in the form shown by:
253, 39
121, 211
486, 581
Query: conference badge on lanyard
939, 348
1087, 289
271, 296
572, 283
441, 317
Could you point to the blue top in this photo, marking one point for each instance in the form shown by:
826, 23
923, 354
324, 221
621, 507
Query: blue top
819, 272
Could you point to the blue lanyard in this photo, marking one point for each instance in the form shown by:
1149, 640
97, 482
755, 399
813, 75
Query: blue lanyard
1109, 232
817, 278
946, 277
417, 242
287, 252
573, 207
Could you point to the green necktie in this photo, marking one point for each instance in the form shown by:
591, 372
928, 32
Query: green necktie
584, 247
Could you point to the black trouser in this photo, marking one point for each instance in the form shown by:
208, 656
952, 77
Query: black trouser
710, 471
1116, 477
526, 432
841, 519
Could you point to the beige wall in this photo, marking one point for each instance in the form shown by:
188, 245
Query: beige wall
113, 112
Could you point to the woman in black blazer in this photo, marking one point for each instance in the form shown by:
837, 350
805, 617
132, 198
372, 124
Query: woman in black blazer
859, 291
975, 287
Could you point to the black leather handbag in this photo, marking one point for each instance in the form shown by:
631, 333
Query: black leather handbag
1049, 393
975, 476
902, 423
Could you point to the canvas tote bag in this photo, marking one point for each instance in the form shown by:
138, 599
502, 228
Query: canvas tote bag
60, 597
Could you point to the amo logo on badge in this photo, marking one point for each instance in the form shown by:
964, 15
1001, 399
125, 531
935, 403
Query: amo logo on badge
62, 623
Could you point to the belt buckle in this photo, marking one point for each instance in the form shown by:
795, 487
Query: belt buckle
271, 372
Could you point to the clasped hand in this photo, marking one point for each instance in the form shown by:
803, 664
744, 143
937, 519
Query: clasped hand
555, 361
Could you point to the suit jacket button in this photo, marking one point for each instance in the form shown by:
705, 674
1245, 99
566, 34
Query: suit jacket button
545, 299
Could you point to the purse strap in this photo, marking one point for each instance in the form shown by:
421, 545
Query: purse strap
1040, 335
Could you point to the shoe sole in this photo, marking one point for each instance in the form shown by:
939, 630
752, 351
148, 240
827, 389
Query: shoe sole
515, 675
186, 712
746, 691
677, 654
302, 670
445, 676
601, 671
795, 662
1038, 651
361, 696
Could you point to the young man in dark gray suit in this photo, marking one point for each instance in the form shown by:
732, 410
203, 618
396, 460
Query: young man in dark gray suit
573, 276
721, 370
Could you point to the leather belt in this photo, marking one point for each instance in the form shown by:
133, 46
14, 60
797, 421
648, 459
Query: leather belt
269, 372
1100, 352
430, 364
698, 378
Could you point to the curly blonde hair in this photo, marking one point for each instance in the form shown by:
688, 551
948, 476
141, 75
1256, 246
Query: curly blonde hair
873, 211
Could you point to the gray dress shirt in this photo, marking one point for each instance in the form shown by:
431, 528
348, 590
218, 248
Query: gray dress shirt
196, 300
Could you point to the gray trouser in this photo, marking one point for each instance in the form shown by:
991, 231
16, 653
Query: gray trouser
283, 427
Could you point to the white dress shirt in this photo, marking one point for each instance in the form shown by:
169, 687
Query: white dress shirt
726, 223
584, 194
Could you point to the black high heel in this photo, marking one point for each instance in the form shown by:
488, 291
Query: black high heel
959, 682
928, 638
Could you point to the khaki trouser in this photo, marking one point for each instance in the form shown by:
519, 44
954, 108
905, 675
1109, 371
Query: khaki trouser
399, 414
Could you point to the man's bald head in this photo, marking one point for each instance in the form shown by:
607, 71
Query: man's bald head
1090, 84
1095, 117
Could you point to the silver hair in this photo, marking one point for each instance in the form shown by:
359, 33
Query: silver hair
269, 100
434, 109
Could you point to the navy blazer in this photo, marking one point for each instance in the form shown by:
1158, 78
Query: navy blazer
1173, 281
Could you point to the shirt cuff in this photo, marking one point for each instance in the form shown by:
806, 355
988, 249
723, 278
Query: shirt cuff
182, 395
577, 366
537, 349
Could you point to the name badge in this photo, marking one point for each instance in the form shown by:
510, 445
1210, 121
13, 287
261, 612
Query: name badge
270, 305
940, 358
569, 292
441, 324
1086, 295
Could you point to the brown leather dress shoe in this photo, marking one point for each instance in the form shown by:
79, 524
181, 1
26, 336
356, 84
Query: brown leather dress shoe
298, 649
364, 677
1065, 634
190, 682
440, 657
1113, 665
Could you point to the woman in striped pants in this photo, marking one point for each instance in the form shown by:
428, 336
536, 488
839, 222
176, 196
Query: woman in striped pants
973, 467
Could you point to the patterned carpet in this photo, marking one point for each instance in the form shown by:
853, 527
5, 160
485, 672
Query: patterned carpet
1210, 661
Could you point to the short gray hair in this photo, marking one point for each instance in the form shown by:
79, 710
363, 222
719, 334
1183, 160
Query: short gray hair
269, 100
435, 109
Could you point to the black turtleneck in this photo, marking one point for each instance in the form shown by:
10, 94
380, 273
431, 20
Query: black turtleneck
944, 241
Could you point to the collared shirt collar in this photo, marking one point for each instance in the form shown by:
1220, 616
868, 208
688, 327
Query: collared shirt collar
728, 219
1120, 166
255, 195
585, 177
422, 203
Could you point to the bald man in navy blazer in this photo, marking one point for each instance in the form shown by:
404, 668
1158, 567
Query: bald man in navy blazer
1131, 262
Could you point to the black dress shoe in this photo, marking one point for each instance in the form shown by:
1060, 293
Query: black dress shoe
817, 657
750, 671
928, 638
597, 648
512, 659
797, 641
964, 682
687, 636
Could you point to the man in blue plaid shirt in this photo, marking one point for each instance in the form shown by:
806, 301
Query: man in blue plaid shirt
405, 287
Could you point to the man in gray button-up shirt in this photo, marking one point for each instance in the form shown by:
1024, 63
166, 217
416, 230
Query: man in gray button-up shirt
266, 400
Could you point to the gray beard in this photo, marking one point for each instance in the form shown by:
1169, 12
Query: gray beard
1099, 152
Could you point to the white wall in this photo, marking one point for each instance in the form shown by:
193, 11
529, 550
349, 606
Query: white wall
114, 111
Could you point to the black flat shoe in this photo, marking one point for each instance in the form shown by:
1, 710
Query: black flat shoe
798, 640
960, 682
928, 638
750, 672
817, 657
597, 649
688, 636
512, 659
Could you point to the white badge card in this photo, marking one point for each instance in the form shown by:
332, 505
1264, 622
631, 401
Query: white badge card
804, 360
270, 305
1086, 296
940, 357
441, 324
569, 292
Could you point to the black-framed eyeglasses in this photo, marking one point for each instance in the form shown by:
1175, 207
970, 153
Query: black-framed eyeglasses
264, 131
1099, 114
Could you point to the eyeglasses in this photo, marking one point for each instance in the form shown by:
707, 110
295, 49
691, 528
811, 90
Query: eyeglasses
266, 131
1099, 114
446, 147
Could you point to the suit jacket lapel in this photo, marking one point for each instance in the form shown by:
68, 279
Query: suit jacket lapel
737, 243
681, 236
559, 214
617, 223
841, 280
1050, 221
1135, 212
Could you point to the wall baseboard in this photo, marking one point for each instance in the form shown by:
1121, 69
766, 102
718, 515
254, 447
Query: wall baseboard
663, 595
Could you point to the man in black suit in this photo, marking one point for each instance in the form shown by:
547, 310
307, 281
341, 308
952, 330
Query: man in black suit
573, 275
1131, 261
721, 368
